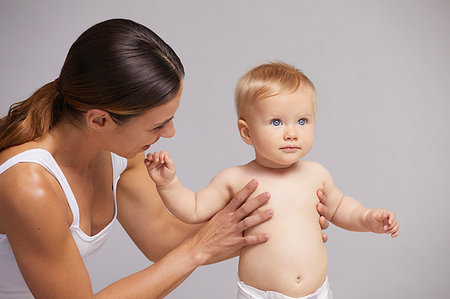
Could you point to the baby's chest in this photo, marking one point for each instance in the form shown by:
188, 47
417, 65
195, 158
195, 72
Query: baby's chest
290, 194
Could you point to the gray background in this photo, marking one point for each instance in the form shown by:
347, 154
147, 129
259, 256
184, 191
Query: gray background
381, 69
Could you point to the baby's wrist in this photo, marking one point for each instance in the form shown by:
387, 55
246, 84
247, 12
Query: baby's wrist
365, 219
168, 184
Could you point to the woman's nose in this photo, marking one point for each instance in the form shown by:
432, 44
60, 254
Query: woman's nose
168, 131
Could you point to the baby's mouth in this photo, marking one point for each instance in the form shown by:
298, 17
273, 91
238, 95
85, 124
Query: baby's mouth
291, 148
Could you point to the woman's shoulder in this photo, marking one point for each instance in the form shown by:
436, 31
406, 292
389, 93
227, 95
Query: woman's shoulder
27, 188
27, 179
12, 151
30, 180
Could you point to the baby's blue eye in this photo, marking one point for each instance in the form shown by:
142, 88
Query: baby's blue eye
276, 122
302, 122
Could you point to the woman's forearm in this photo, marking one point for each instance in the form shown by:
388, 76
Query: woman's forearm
220, 237
159, 279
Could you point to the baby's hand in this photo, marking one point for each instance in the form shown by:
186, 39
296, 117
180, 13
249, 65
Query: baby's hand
382, 221
160, 167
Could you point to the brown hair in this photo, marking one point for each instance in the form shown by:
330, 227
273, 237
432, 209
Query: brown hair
268, 80
117, 65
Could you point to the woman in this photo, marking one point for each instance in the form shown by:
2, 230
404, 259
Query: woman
74, 140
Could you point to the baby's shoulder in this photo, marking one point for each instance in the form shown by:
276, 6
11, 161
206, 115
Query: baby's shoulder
313, 167
233, 176
233, 172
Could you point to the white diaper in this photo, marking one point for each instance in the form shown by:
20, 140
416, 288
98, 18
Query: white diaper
249, 292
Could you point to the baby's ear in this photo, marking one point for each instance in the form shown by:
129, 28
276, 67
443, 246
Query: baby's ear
244, 131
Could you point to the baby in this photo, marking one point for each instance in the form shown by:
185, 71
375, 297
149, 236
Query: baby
276, 107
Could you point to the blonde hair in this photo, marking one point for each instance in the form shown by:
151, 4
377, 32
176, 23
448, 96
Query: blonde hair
269, 80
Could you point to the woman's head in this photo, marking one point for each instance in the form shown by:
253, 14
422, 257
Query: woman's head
121, 67
117, 66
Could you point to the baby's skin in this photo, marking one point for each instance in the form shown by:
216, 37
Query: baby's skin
293, 261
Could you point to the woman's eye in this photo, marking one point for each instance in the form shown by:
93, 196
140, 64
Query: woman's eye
302, 122
276, 122
157, 128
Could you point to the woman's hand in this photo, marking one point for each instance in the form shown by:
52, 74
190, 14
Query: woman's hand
323, 212
223, 234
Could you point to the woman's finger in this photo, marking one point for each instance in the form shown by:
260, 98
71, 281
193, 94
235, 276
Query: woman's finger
324, 237
241, 196
254, 239
323, 222
321, 196
251, 205
254, 220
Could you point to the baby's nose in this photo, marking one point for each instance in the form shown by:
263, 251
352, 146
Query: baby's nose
290, 134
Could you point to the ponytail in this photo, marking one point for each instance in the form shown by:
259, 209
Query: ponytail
31, 119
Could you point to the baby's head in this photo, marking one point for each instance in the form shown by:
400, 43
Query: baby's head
276, 106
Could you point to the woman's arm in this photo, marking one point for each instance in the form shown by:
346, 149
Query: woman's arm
33, 215
36, 223
143, 215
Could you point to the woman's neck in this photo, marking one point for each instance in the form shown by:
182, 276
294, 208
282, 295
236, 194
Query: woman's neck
71, 146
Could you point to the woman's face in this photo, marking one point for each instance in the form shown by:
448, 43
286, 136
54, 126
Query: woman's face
137, 134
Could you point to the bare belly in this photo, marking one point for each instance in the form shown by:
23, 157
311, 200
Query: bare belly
293, 261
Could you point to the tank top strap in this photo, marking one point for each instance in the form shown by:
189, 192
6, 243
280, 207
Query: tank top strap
46, 160
119, 164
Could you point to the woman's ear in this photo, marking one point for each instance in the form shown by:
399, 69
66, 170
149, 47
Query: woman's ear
98, 119
244, 131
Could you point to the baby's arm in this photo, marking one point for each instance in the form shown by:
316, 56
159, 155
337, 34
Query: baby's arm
346, 212
182, 202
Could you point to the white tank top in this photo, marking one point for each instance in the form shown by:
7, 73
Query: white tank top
12, 284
